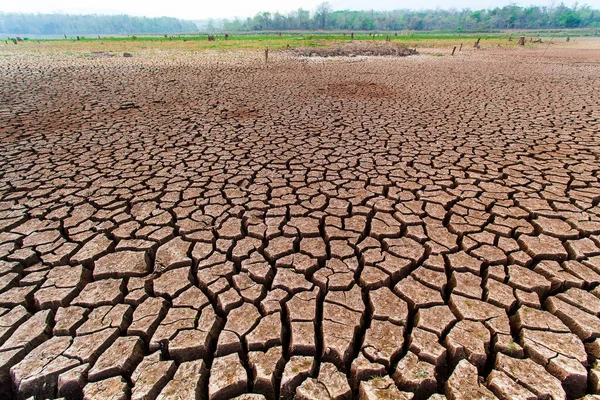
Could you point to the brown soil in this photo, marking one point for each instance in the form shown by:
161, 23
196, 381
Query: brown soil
184, 225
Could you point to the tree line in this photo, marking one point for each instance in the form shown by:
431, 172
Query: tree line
322, 18
508, 17
59, 24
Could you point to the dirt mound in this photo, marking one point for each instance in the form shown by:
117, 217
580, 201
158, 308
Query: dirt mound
101, 54
354, 49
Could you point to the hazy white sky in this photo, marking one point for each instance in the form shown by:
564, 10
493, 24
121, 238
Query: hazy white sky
201, 9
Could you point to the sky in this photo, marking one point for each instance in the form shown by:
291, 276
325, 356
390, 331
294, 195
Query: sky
203, 9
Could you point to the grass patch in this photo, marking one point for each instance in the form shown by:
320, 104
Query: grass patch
273, 41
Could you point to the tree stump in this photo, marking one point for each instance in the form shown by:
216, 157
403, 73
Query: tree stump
453, 50
521, 41
477, 43
568, 39
211, 38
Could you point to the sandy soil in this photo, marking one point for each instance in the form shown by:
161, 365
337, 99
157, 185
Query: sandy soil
183, 224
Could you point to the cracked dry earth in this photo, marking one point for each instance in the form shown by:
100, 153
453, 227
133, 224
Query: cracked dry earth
198, 226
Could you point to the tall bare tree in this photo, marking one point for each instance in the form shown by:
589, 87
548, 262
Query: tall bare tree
322, 12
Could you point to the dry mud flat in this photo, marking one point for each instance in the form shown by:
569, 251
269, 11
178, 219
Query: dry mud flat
181, 226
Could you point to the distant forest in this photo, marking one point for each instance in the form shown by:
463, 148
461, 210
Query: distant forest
509, 17
322, 18
58, 24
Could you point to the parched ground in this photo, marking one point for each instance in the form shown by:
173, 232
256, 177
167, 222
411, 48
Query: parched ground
183, 225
